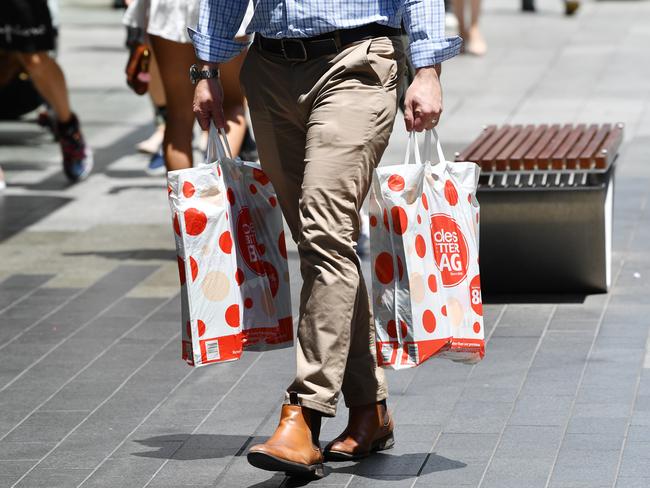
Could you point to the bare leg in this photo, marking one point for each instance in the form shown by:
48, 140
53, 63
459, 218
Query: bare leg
49, 81
459, 10
156, 89
234, 103
174, 61
475, 41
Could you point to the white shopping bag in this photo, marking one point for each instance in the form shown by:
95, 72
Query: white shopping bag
232, 258
424, 220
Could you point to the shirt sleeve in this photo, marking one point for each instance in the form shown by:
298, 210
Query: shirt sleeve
214, 36
424, 21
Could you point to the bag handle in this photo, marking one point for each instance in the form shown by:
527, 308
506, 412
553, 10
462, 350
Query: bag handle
218, 147
428, 146
412, 141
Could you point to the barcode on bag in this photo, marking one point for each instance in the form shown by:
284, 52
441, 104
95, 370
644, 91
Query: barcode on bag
212, 350
387, 352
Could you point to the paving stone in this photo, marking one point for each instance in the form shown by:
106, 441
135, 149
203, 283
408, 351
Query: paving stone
595, 466
23, 451
16, 287
636, 460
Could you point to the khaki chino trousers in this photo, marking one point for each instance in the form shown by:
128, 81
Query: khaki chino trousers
321, 128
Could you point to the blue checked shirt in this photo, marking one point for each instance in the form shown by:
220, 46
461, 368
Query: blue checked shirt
424, 20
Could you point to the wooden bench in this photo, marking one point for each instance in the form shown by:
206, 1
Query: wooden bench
546, 195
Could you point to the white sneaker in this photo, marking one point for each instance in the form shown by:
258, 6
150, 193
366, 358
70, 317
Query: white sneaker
153, 143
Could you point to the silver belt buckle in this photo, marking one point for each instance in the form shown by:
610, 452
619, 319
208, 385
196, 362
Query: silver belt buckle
288, 57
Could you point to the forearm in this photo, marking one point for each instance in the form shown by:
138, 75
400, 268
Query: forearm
424, 21
219, 21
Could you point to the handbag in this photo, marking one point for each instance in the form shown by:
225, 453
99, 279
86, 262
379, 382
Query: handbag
137, 68
424, 223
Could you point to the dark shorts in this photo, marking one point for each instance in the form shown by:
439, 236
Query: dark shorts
26, 26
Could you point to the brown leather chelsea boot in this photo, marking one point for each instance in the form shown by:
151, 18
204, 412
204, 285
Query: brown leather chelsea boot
293, 447
370, 429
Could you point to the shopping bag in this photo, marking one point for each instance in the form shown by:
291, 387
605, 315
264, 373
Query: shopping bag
232, 259
424, 230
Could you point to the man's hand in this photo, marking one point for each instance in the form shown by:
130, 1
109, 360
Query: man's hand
423, 102
208, 103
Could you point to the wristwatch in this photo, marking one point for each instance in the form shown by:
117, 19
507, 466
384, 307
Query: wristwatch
197, 74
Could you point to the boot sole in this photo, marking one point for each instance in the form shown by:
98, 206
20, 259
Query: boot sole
271, 463
383, 444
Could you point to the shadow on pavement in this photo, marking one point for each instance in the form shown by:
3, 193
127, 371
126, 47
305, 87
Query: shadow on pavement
138, 254
496, 299
18, 212
191, 447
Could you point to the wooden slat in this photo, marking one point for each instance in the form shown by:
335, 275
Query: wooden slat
531, 157
490, 156
587, 157
466, 153
518, 155
504, 159
580, 145
479, 153
542, 159
558, 158
607, 152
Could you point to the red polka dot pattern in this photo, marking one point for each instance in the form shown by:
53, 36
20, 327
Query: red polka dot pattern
425, 202
248, 303
433, 283
273, 201
391, 328
396, 182
188, 189
373, 221
253, 189
451, 195
240, 277
201, 326
420, 246
260, 177
195, 221
231, 196
194, 267
225, 242
384, 268
177, 225
282, 245
429, 321
477, 327
400, 220
232, 315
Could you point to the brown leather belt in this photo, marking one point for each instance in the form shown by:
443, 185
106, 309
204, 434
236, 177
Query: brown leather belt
304, 49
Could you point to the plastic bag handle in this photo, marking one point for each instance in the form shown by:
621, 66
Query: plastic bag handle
413, 140
428, 146
218, 147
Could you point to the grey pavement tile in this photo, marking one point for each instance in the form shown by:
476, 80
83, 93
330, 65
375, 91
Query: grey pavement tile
478, 418
593, 442
597, 425
638, 433
46, 426
27, 450
16, 286
387, 464
11, 471
541, 410
382, 481
52, 478
579, 465
636, 460
625, 482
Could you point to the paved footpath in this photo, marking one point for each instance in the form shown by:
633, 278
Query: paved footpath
93, 392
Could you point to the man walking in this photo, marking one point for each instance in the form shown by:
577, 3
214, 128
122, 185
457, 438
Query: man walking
321, 79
